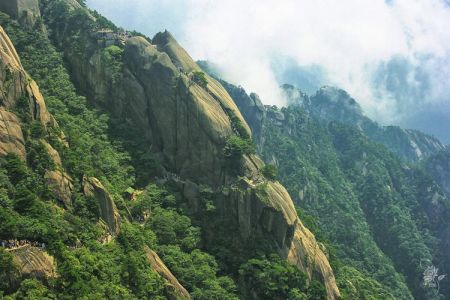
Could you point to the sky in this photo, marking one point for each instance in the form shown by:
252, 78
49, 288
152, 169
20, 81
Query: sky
392, 56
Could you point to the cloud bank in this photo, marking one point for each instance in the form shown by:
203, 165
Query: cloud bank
392, 56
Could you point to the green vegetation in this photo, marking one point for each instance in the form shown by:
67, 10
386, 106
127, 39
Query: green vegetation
371, 212
112, 56
237, 146
200, 78
28, 210
236, 122
272, 278
234, 150
358, 199
270, 172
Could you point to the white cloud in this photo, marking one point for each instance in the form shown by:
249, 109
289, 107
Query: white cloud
350, 39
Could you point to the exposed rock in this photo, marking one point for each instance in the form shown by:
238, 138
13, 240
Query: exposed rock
26, 11
267, 209
186, 126
304, 245
11, 138
332, 104
54, 155
34, 262
61, 185
174, 289
16, 85
439, 168
58, 180
93, 188
250, 105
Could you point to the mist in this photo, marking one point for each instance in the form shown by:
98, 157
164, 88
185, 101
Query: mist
392, 56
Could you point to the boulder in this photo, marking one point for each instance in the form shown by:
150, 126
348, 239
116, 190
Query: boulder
61, 185
58, 180
11, 137
174, 289
108, 212
34, 262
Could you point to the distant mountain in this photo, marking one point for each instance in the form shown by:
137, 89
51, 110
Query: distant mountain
128, 173
333, 104
378, 213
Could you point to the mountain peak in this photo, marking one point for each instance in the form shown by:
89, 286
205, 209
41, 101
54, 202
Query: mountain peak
333, 95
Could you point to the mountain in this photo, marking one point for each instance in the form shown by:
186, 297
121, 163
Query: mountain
333, 104
139, 181
438, 166
386, 219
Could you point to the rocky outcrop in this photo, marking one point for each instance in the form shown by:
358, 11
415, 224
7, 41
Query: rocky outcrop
174, 289
266, 209
186, 125
438, 166
17, 86
333, 104
58, 180
18, 89
26, 11
250, 106
34, 262
11, 137
307, 254
61, 185
108, 212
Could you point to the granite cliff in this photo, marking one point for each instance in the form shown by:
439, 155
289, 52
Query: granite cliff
183, 117
186, 124
22, 104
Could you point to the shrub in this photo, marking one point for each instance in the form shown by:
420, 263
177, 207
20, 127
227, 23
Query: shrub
270, 172
200, 78
237, 146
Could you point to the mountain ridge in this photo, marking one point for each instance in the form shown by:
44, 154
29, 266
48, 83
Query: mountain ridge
185, 126
329, 166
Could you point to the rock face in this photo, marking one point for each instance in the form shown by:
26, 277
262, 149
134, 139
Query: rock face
16, 86
34, 262
174, 289
26, 11
186, 125
439, 168
265, 208
58, 180
250, 105
11, 137
332, 104
191, 135
93, 188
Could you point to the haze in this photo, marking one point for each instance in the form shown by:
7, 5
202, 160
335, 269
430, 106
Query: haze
393, 57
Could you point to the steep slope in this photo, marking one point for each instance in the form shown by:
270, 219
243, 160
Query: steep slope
193, 131
345, 181
184, 124
439, 168
26, 11
36, 206
332, 104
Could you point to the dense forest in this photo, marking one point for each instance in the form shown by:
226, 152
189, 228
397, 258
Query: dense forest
384, 220
145, 179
